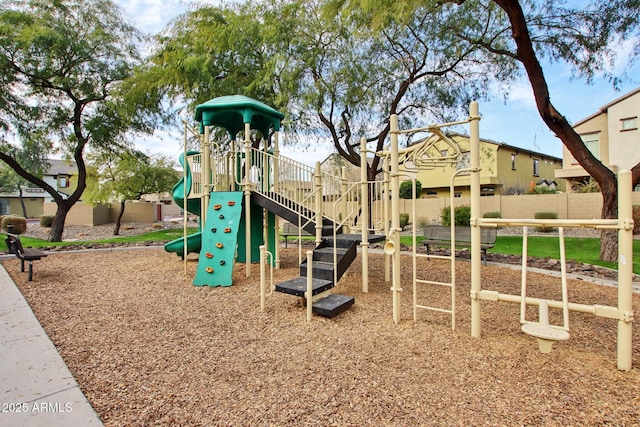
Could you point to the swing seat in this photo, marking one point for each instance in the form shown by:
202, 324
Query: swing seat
546, 335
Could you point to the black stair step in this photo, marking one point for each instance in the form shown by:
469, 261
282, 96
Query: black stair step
298, 286
332, 305
321, 270
357, 238
326, 254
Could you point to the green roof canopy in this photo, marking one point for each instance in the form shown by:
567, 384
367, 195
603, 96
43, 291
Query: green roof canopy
232, 112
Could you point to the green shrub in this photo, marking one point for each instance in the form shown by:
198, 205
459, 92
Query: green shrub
404, 220
46, 220
19, 223
492, 215
636, 219
406, 190
462, 215
545, 215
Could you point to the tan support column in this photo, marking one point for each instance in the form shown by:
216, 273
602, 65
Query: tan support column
247, 196
476, 285
625, 271
317, 179
344, 183
394, 236
205, 177
386, 218
275, 184
364, 194
185, 218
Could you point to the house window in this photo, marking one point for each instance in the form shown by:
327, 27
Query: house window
592, 142
432, 194
63, 182
536, 167
628, 124
487, 191
513, 162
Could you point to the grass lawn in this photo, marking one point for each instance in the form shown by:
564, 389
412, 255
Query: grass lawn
153, 236
584, 250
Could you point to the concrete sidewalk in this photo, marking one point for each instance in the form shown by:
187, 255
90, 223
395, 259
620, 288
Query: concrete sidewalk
36, 387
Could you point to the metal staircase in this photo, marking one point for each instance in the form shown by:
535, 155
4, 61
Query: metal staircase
325, 274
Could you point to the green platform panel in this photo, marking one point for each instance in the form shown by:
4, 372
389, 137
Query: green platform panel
219, 239
257, 238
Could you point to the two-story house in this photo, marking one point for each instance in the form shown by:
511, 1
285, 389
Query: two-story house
505, 169
61, 175
611, 134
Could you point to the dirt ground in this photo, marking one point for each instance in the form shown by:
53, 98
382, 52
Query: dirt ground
148, 348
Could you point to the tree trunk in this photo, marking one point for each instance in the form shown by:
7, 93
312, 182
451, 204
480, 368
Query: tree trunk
57, 227
609, 238
24, 208
116, 230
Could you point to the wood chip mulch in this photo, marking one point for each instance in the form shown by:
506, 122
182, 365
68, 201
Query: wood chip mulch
149, 348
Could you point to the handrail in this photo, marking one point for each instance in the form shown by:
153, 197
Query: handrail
263, 283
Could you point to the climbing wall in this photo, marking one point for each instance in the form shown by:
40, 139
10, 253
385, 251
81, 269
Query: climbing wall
219, 239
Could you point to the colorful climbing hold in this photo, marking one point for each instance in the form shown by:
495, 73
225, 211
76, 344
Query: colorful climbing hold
222, 262
209, 255
231, 203
216, 207
209, 270
219, 245
227, 230
213, 230
221, 216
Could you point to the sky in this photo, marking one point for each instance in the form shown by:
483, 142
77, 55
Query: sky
514, 121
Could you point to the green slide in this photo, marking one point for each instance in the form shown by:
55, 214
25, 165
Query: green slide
194, 241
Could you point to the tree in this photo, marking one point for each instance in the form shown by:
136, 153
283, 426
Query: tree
406, 190
581, 37
128, 176
605, 21
63, 66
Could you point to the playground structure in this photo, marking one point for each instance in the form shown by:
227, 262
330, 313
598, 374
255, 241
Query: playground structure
344, 215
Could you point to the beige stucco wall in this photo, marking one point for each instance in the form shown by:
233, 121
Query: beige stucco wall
33, 206
135, 212
82, 214
566, 205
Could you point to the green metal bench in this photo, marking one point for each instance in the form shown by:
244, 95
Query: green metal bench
292, 230
440, 235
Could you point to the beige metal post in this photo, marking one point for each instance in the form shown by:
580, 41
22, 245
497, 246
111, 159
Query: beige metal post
263, 278
386, 219
184, 198
247, 196
625, 271
318, 199
276, 185
476, 285
394, 237
309, 293
205, 176
342, 215
364, 217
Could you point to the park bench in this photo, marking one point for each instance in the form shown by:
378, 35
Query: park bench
439, 235
23, 254
292, 230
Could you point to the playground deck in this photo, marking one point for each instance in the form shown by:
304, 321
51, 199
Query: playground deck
147, 347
